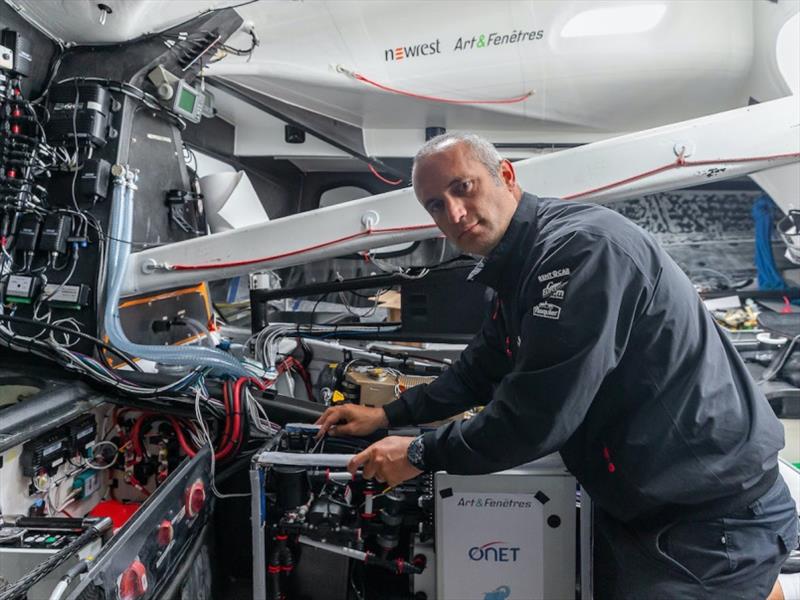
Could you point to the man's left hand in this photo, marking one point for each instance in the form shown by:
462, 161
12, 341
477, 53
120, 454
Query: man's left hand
386, 461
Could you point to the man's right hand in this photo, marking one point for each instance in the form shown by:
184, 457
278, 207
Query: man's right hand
351, 419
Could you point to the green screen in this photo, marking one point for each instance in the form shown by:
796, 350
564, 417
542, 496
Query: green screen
187, 100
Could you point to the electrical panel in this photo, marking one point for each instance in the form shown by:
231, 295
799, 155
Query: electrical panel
79, 113
45, 453
82, 434
51, 449
19, 47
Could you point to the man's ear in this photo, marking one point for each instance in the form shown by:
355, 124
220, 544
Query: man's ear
507, 175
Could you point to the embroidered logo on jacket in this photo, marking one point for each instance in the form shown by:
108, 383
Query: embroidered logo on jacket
546, 310
554, 290
554, 274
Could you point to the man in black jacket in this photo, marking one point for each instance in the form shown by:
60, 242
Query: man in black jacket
598, 348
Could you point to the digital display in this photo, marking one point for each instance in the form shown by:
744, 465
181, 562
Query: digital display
187, 100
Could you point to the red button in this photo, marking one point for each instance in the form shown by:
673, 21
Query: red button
132, 583
165, 533
195, 498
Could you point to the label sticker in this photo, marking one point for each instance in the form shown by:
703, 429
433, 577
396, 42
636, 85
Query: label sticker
158, 138
546, 310
554, 274
554, 290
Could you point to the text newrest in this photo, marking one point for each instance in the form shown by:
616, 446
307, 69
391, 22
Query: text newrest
402, 52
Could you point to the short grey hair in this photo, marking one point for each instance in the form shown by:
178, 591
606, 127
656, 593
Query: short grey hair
482, 150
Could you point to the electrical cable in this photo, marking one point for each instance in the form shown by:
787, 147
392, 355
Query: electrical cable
680, 162
20, 588
55, 64
393, 90
98, 342
382, 178
97, 467
353, 236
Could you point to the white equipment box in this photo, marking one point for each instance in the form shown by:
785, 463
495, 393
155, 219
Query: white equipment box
507, 536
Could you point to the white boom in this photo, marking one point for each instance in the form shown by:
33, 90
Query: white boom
720, 146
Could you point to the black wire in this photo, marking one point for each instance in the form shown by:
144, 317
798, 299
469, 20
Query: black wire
77, 146
86, 336
35, 347
468, 262
241, 52
316, 304
55, 64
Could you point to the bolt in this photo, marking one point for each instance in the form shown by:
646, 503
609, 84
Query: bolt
149, 266
369, 219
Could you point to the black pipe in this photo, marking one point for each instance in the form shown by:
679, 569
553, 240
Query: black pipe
282, 410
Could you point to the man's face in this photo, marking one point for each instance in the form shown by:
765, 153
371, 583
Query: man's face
470, 207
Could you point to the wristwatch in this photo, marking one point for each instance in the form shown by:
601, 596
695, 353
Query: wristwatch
416, 453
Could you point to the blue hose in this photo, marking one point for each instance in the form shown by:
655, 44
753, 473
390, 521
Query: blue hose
768, 276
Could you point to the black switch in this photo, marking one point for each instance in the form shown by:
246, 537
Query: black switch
28, 232
294, 135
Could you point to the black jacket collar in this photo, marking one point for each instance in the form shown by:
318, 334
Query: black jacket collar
497, 269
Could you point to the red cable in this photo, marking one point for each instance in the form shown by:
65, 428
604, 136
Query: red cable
227, 403
135, 483
382, 178
138, 449
190, 452
622, 181
681, 162
292, 362
238, 438
231, 423
387, 88
251, 261
258, 383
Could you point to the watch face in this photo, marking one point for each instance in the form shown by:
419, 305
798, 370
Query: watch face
416, 454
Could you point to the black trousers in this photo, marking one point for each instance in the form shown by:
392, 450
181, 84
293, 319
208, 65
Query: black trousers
737, 556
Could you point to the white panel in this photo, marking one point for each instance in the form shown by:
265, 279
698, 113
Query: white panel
259, 134
782, 184
206, 165
693, 61
777, 41
506, 536
791, 452
788, 52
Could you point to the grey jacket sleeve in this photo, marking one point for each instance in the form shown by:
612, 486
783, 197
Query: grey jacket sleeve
469, 382
569, 343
